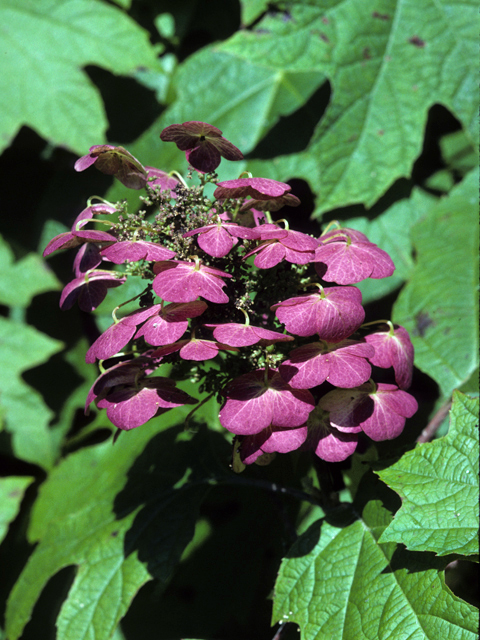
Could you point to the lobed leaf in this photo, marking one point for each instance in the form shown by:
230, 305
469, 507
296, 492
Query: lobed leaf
438, 484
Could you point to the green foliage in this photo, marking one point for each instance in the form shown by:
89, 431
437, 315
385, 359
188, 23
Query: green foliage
438, 482
67, 109
439, 305
339, 581
11, 494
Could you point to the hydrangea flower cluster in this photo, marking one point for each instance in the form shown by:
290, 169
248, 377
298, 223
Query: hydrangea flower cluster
273, 313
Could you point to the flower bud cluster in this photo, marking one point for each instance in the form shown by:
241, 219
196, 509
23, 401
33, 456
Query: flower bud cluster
275, 310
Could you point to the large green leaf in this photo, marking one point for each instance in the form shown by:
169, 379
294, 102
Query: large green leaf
339, 582
387, 64
44, 46
438, 483
439, 305
122, 514
11, 494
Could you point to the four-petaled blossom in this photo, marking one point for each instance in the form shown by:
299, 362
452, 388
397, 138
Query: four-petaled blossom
115, 161
136, 250
218, 238
257, 400
203, 144
169, 322
258, 188
135, 404
329, 443
393, 348
281, 244
159, 178
350, 258
90, 290
334, 313
186, 281
343, 364
194, 349
271, 440
378, 410
242, 335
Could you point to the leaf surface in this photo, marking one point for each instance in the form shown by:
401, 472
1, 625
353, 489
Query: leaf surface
12, 489
44, 47
438, 483
439, 305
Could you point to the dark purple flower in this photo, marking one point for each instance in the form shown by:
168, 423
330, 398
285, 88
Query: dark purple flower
88, 257
393, 348
118, 335
134, 405
256, 400
203, 144
242, 335
136, 250
273, 204
90, 290
282, 244
350, 258
334, 313
115, 161
378, 410
218, 238
343, 364
169, 323
271, 440
185, 281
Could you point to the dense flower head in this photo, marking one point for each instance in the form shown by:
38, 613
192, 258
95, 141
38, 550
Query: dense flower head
262, 317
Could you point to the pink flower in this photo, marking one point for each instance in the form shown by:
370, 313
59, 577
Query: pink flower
393, 349
203, 144
268, 195
194, 349
136, 250
118, 335
242, 335
271, 440
135, 404
169, 323
282, 244
185, 281
380, 411
257, 400
218, 238
328, 443
162, 179
350, 258
115, 161
334, 313
343, 364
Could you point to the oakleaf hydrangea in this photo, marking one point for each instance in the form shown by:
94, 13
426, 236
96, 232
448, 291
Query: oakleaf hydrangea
263, 318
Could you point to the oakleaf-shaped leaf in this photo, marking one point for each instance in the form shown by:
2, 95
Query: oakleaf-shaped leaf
67, 109
122, 515
439, 305
387, 67
438, 483
339, 582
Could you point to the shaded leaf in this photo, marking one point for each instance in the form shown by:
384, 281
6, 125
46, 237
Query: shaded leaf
438, 484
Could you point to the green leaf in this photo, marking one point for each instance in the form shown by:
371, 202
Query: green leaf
23, 280
439, 305
438, 484
339, 582
252, 9
25, 413
67, 108
11, 495
391, 231
387, 68
122, 514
